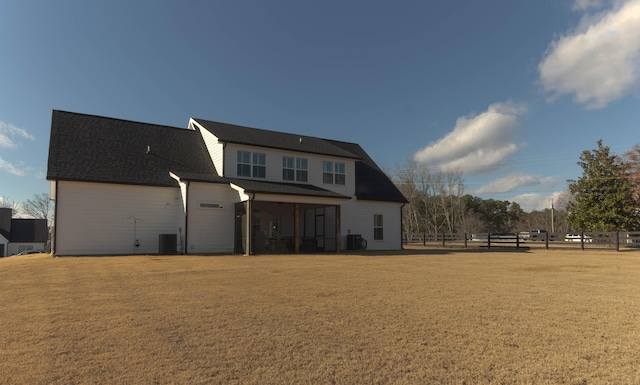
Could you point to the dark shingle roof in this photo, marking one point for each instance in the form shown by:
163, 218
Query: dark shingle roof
99, 149
255, 186
29, 230
230, 133
371, 182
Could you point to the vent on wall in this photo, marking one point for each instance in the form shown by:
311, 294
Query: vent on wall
211, 206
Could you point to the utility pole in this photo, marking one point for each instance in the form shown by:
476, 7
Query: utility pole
553, 230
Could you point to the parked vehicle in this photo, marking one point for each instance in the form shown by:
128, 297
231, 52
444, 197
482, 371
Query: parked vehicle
577, 238
30, 252
524, 235
537, 234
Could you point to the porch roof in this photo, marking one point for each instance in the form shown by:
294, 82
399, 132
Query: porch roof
280, 188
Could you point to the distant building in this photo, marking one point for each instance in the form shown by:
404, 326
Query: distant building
18, 235
123, 187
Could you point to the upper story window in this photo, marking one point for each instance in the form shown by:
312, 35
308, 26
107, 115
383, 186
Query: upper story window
333, 172
295, 169
252, 164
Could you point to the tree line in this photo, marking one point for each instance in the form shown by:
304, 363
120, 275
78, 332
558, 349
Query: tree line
606, 197
39, 206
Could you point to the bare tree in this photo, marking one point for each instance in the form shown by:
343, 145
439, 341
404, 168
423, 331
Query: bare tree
7, 203
632, 159
450, 192
38, 207
434, 196
404, 180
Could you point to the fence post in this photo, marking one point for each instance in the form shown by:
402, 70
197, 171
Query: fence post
617, 240
489, 241
582, 240
517, 241
424, 239
443, 239
546, 240
465, 240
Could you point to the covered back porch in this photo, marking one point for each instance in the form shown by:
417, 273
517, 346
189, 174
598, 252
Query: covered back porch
305, 222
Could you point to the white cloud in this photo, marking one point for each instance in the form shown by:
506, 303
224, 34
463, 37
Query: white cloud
10, 168
9, 131
477, 143
512, 182
598, 62
532, 201
581, 5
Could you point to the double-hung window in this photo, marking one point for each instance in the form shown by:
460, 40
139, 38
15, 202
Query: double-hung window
333, 172
244, 163
295, 169
252, 164
302, 172
259, 165
378, 229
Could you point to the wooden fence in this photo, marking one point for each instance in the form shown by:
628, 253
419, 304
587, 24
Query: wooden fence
618, 240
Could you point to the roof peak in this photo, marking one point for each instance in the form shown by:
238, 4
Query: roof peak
116, 119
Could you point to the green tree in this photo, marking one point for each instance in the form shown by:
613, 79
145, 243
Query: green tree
495, 216
603, 198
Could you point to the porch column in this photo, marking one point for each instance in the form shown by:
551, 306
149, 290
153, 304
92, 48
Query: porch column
296, 230
247, 241
338, 233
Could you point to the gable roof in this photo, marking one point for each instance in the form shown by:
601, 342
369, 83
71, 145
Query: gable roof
230, 133
29, 230
99, 149
92, 148
371, 182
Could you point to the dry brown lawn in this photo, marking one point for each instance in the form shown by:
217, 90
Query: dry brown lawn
417, 317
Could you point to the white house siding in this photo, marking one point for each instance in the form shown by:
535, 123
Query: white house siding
274, 167
211, 230
216, 149
357, 218
98, 218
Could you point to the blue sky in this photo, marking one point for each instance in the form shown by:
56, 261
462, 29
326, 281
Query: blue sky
508, 92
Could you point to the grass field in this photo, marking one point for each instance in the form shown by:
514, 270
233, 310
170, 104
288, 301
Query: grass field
418, 317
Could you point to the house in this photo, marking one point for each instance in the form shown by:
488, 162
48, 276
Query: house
18, 235
124, 187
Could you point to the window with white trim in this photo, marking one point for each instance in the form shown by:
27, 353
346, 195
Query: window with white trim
378, 228
333, 172
259, 165
244, 163
295, 169
252, 164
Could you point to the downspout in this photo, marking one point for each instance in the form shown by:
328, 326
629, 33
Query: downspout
401, 227
54, 241
186, 219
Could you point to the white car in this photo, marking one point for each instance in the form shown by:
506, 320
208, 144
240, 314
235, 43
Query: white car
577, 238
